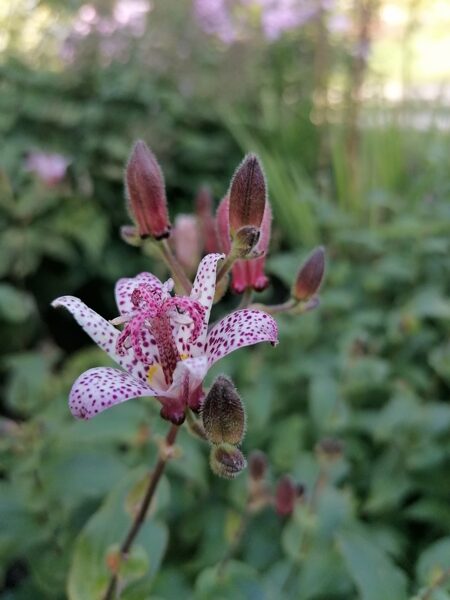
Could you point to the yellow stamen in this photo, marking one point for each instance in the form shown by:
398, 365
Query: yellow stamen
184, 356
151, 372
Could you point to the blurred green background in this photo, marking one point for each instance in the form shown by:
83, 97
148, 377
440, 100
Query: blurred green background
347, 102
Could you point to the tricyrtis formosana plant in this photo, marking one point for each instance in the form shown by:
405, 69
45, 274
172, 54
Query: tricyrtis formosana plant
162, 337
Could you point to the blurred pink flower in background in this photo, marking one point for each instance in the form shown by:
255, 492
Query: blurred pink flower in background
49, 168
231, 20
186, 242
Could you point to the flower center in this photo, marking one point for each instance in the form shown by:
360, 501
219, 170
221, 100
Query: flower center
161, 318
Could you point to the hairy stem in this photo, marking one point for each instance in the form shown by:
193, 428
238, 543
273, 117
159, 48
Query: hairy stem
142, 512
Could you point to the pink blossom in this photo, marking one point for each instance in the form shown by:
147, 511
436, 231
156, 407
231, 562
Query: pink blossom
165, 348
49, 168
186, 241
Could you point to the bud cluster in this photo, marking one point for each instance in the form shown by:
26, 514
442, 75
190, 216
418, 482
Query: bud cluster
224, 423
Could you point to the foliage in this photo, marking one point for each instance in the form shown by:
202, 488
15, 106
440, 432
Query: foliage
370, 368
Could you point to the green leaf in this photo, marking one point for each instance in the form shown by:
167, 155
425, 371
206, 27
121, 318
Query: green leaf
433, 562
374, 574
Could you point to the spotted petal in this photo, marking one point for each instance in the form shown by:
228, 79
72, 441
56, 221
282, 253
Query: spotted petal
98, 389
104, 335
240, 328
126, 285
205, 282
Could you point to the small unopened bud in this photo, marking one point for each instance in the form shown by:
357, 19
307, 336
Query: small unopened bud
330, 449
257, 464
310, 276
245, 240
130, 235
227, 461
247, 195
285, 495
223, 413
146, 193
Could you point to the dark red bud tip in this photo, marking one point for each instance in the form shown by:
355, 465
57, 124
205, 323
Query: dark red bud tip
248, 194
146, 194
223, 413
285, 495
227, 461
257, 464
310, 276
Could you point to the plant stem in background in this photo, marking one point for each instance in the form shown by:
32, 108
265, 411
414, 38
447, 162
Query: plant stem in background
235, 542
164, 456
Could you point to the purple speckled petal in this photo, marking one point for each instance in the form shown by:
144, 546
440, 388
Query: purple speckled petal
126, 285
240, 328
98, 389
104, 335
187, 376
205, 282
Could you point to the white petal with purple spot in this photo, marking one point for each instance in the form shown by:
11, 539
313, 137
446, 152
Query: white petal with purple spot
100, 388
240, 328
204, 286
126, 285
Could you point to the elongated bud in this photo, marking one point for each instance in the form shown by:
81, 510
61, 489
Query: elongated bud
227, 461
223, 413
285, 495
257, 464
146, 193
310, 276
248, 192
204, 210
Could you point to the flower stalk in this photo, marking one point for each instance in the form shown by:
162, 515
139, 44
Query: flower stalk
165, 454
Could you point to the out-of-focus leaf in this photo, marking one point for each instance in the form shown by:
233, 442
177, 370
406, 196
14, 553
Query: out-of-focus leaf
15, 305
434, 562
374, 574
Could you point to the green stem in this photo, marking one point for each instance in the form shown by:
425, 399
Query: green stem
246, 298
275, 309
226, 267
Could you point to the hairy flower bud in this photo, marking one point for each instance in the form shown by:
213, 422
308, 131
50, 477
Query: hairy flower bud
227, 461
285, 495
223, 413
146, 194
310, 276
247, 195
245, 240
257, 464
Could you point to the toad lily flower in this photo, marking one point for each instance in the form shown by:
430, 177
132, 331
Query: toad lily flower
164, 348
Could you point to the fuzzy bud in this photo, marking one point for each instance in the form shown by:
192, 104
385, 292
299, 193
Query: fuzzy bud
223, 413
257, 464
310, 276
285, 495
227, 461
146, 193
247, 195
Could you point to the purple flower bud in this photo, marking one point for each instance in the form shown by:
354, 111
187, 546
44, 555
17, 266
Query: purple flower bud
227, 461
247, 195
223, 413
285, 495
257, 464
146, 193
310, 276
